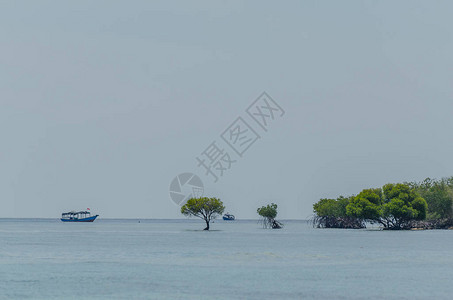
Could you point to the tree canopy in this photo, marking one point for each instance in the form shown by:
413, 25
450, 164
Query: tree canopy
366, 205
332, 213
268, 214
438, 195
402, 204
394, 206
203, 208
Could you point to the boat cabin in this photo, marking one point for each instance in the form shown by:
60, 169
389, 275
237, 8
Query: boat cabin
73, 215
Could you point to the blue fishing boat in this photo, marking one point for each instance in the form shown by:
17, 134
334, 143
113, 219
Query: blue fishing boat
228, 217
78, 216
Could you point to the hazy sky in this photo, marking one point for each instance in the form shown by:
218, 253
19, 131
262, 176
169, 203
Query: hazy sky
103, 103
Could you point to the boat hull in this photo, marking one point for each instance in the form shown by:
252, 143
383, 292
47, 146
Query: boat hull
228, 219
83, 220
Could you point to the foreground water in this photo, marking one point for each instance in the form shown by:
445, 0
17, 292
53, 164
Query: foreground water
156, 259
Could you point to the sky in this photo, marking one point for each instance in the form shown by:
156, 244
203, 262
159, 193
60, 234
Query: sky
104, 103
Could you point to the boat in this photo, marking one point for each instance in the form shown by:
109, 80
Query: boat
78, 216
228, 217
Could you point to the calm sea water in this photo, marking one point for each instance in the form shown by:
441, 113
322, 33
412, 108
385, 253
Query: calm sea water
157, 259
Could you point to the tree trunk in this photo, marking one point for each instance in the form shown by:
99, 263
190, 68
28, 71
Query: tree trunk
207, 225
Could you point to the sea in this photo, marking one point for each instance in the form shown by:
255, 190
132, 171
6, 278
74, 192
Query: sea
176, 259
